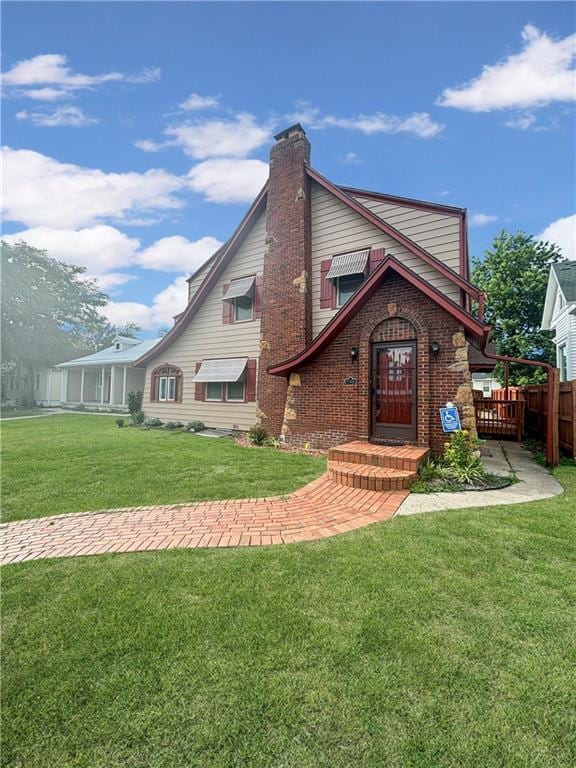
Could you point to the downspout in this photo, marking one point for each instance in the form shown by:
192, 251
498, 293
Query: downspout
552, 455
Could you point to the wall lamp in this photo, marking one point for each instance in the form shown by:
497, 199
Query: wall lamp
434, 349
354, 352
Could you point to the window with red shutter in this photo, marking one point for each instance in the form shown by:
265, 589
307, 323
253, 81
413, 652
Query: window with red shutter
327, 287
258, 297
226, 307
376, 258
199, 387
251, 380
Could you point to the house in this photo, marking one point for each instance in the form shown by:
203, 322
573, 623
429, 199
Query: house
559, 316
485, 382
23, 384
106, 377
331, 314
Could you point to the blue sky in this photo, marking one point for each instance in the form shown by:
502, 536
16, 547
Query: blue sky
138, 132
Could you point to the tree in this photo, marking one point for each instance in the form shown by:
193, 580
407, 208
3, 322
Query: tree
514, 277
49, 310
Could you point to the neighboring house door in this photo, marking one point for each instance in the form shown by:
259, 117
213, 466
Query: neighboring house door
393, 391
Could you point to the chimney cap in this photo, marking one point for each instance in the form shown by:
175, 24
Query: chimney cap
296, 128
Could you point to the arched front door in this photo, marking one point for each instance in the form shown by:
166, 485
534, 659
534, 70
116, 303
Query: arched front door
394, 390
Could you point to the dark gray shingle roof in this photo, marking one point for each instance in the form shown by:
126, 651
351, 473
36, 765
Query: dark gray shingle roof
565, 272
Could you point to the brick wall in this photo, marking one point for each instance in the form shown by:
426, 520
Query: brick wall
323, 411
286, 324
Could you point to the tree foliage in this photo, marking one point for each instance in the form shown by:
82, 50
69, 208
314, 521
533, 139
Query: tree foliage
49, 309
514, 277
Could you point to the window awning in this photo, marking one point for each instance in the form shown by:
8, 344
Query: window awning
225, 370
349, 264
238, 288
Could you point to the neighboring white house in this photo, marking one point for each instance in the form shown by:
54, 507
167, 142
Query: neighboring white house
106, 377
485, 382
559, 316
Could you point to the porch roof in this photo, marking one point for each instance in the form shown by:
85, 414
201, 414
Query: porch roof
111, 355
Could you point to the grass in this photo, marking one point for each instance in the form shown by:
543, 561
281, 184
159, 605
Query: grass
446, 639
75, 463
10, 411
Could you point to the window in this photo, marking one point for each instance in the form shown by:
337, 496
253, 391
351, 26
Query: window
213, 390
37, 381
117, 345
235, 391
563, 362
166, 384
346, 286
243, 308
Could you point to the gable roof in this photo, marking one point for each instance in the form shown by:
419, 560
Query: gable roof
112, 356
222, 259
565, 272
411, 202
562, 277
478, 330
391, 231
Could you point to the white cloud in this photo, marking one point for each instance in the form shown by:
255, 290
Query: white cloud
540, 74
71, 116
176, 253
213, 138
227, 180
445, 193
419, 124
351, 158
52, 72
100, 248
41, 191
169, 302
522, 122
111, 281
197, 102
481, 219
563, 233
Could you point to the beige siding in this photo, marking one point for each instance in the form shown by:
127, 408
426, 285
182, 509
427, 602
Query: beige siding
336, 228
193, 285
437, 233
207, 337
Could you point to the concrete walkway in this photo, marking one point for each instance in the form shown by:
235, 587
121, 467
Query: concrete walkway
500, 458
58, 411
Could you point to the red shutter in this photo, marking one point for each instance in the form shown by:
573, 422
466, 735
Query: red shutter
226, 307
257, 298
327, 287
199, 387
376, 258
251, 380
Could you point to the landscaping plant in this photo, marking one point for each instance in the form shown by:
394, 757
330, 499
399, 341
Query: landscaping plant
120, 423
173, 425
135, 407
195, 426
257, 434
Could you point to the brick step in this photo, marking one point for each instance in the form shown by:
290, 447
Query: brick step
370, 477
406, 457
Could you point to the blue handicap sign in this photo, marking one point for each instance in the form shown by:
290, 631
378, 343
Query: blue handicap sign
450, 419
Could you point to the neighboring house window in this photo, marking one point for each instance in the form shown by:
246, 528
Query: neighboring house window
117, 345
563, 362
37, 381
166, 385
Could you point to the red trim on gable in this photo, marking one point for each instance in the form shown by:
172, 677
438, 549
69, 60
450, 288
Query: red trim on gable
226, 254
393, 232
423, 205
365, 292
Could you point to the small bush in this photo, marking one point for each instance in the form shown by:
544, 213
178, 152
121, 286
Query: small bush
462, 458
195, 426
271, 442
431, 470
137, 417
173, 425
152, 423
257, 434
134, 402
80, 407
120, 423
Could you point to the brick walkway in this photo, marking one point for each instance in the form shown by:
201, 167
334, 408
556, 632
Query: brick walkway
321, 509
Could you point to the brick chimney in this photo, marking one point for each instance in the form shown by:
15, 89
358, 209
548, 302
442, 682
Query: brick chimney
286, 325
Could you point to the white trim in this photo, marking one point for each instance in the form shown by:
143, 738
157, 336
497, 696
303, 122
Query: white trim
112, 383
124, 387
82, 386
102, 387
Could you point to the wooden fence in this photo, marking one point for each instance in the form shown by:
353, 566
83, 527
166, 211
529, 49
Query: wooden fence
535, 399
496, 418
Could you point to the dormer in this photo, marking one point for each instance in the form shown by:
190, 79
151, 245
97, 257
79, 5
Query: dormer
124, 342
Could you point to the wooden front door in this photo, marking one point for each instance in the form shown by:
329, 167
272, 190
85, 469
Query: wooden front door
394, 391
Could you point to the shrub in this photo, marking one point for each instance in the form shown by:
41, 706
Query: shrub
80, 407
173, 425
138, 417
152, 423
120, 423
432, 470
134, 402
195, 426
462, 458
271, 442
257, 434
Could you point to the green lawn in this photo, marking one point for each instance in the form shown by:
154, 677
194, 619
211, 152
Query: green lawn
10, 412
75, 463
440, 641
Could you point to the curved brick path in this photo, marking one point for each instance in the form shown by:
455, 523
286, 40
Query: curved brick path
321, 509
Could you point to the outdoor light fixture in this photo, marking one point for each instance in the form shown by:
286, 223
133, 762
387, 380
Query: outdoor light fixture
434, 349
354, 352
